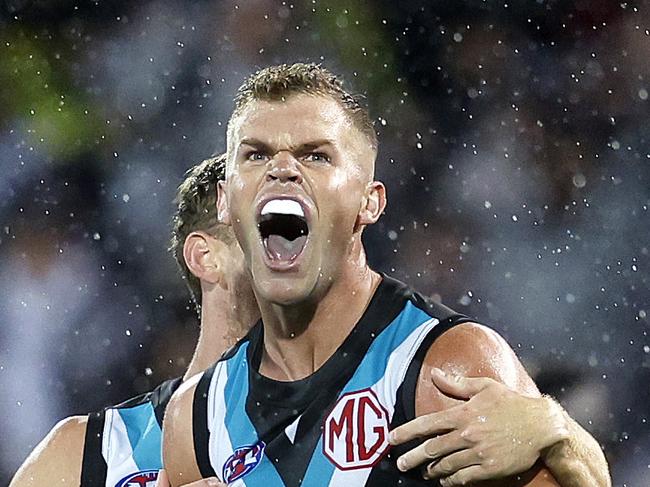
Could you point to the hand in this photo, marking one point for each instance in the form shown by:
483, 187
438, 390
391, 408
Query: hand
497, 432
163, 481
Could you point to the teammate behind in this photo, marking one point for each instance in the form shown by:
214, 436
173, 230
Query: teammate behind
120, 446
343, 354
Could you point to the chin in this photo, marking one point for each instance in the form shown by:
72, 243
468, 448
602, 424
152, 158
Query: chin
284, 289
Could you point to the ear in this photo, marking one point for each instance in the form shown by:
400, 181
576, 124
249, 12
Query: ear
204, 256
374, 204
223, 210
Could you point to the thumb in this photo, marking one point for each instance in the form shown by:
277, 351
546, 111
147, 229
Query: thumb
457, 385
163, 480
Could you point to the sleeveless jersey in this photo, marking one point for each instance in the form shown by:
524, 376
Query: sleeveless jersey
123, 443
328, 429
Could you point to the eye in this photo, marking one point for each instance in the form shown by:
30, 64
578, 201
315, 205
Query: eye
255, 156
317, 157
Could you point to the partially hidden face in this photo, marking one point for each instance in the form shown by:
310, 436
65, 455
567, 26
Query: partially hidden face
298, 179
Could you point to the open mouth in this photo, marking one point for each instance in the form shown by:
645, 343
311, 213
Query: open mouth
284, 230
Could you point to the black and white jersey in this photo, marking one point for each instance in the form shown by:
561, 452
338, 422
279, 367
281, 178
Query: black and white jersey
328, 429
123, 445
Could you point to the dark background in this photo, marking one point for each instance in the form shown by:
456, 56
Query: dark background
514, 144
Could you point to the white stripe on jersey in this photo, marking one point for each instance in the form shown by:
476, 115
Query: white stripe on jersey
116, 449
219, 444
386, 390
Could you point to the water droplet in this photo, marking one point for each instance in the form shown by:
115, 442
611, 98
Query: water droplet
579, 180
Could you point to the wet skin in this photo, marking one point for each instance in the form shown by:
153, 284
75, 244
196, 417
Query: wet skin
304, 149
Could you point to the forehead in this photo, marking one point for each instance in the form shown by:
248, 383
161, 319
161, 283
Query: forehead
297, 119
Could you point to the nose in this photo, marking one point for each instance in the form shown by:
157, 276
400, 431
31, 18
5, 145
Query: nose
284, 169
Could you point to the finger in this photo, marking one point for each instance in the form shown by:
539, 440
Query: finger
162, 480
431, 449
451, 464
459, 386
425, 426
466, 476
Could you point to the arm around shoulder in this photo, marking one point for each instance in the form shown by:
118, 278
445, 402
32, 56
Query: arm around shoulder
57, 458
179, 458
486, 374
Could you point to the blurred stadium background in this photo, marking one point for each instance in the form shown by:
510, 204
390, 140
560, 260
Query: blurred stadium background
515, 144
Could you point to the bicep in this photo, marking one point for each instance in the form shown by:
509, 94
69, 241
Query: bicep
179, 458
470, 350
57, 458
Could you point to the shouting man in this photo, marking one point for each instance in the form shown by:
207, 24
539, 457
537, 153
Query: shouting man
344, 355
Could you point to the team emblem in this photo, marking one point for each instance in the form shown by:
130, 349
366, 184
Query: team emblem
243, 461
355, 434
146, 478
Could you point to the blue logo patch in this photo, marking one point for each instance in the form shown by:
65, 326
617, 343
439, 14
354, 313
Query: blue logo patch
145, 478
243, 461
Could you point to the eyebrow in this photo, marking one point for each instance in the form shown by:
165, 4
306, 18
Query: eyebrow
307, 146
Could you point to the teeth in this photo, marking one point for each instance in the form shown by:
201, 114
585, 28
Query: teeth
283, 207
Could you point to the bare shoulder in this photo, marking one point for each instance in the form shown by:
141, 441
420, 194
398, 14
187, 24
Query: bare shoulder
178, 438
57, 458
470, 350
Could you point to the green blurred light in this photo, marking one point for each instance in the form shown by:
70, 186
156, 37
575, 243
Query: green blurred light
36, 91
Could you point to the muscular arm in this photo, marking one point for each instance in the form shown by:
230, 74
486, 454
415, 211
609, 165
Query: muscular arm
57, 459
578, 461
571, 455
178, 439
471, 350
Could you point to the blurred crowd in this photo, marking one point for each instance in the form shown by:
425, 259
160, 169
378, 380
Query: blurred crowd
514, 142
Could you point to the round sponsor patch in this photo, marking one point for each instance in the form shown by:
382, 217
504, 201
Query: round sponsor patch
243, 461
145, 478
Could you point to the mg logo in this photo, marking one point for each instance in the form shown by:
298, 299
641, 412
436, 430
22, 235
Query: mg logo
355, 434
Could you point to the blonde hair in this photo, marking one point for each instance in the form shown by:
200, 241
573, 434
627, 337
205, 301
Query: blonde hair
277, 83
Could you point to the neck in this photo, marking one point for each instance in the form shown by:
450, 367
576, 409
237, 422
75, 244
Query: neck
222, 324
298, 339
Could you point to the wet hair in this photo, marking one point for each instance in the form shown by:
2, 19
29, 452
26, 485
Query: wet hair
196, 209
277, 83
